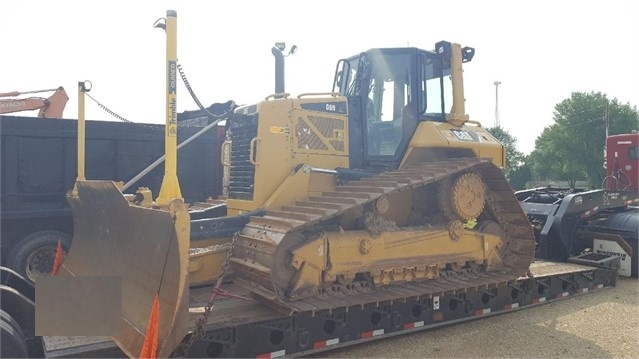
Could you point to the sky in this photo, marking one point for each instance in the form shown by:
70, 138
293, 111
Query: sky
541, 51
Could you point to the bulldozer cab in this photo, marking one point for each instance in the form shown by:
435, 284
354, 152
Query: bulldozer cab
389, 92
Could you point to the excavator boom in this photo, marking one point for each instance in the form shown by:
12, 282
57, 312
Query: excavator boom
51, 107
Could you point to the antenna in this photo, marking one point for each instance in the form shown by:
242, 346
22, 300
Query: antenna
497, 83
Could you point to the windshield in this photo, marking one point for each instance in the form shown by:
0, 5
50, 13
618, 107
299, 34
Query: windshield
390, 72
390, 91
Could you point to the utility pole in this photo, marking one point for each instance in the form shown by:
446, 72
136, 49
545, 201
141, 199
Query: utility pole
497, 83
607, 117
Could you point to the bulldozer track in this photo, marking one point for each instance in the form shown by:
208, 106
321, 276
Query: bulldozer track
253, 258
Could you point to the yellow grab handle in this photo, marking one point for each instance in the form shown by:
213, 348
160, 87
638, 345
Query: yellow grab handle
275, 96
477, 123
223, 158
333, 94
252, 151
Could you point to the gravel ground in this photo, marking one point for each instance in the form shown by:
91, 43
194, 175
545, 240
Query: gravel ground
602, 324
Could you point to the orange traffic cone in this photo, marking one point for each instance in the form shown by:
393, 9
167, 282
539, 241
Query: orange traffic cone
150, 346
58, 258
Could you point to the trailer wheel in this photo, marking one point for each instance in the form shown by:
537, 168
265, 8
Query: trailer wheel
34, 254
12, 339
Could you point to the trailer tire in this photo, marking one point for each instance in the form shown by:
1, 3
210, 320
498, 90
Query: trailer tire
34, 254
13, 342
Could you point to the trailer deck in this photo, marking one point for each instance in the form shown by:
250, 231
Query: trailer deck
242, 328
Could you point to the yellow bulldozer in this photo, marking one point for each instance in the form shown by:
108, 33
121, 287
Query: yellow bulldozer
333, 200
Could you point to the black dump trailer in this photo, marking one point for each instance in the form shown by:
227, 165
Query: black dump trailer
39, 165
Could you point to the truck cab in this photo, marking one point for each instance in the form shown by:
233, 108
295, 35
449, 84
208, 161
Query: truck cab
622, 162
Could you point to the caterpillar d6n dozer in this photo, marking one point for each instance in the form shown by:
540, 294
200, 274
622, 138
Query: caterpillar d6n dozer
376, 190
381, 182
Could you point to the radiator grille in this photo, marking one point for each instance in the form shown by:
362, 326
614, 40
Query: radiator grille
242, 174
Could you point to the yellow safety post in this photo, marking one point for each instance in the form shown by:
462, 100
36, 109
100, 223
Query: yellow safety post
83, 87
457, 114
170, 188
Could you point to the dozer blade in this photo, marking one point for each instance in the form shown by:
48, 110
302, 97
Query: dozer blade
147, 248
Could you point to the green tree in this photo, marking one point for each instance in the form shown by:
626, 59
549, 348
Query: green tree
572, 148
520, 176
514, 158
549, 159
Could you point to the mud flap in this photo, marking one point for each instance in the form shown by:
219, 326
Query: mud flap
147, 248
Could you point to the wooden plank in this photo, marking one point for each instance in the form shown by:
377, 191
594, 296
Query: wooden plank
61, 347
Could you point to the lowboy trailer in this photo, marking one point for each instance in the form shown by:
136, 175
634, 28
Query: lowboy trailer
245, 328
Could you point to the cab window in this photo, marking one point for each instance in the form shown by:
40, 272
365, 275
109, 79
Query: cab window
389, 95
436, 90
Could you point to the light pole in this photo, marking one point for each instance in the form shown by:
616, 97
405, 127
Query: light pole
497, 83
278, 52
